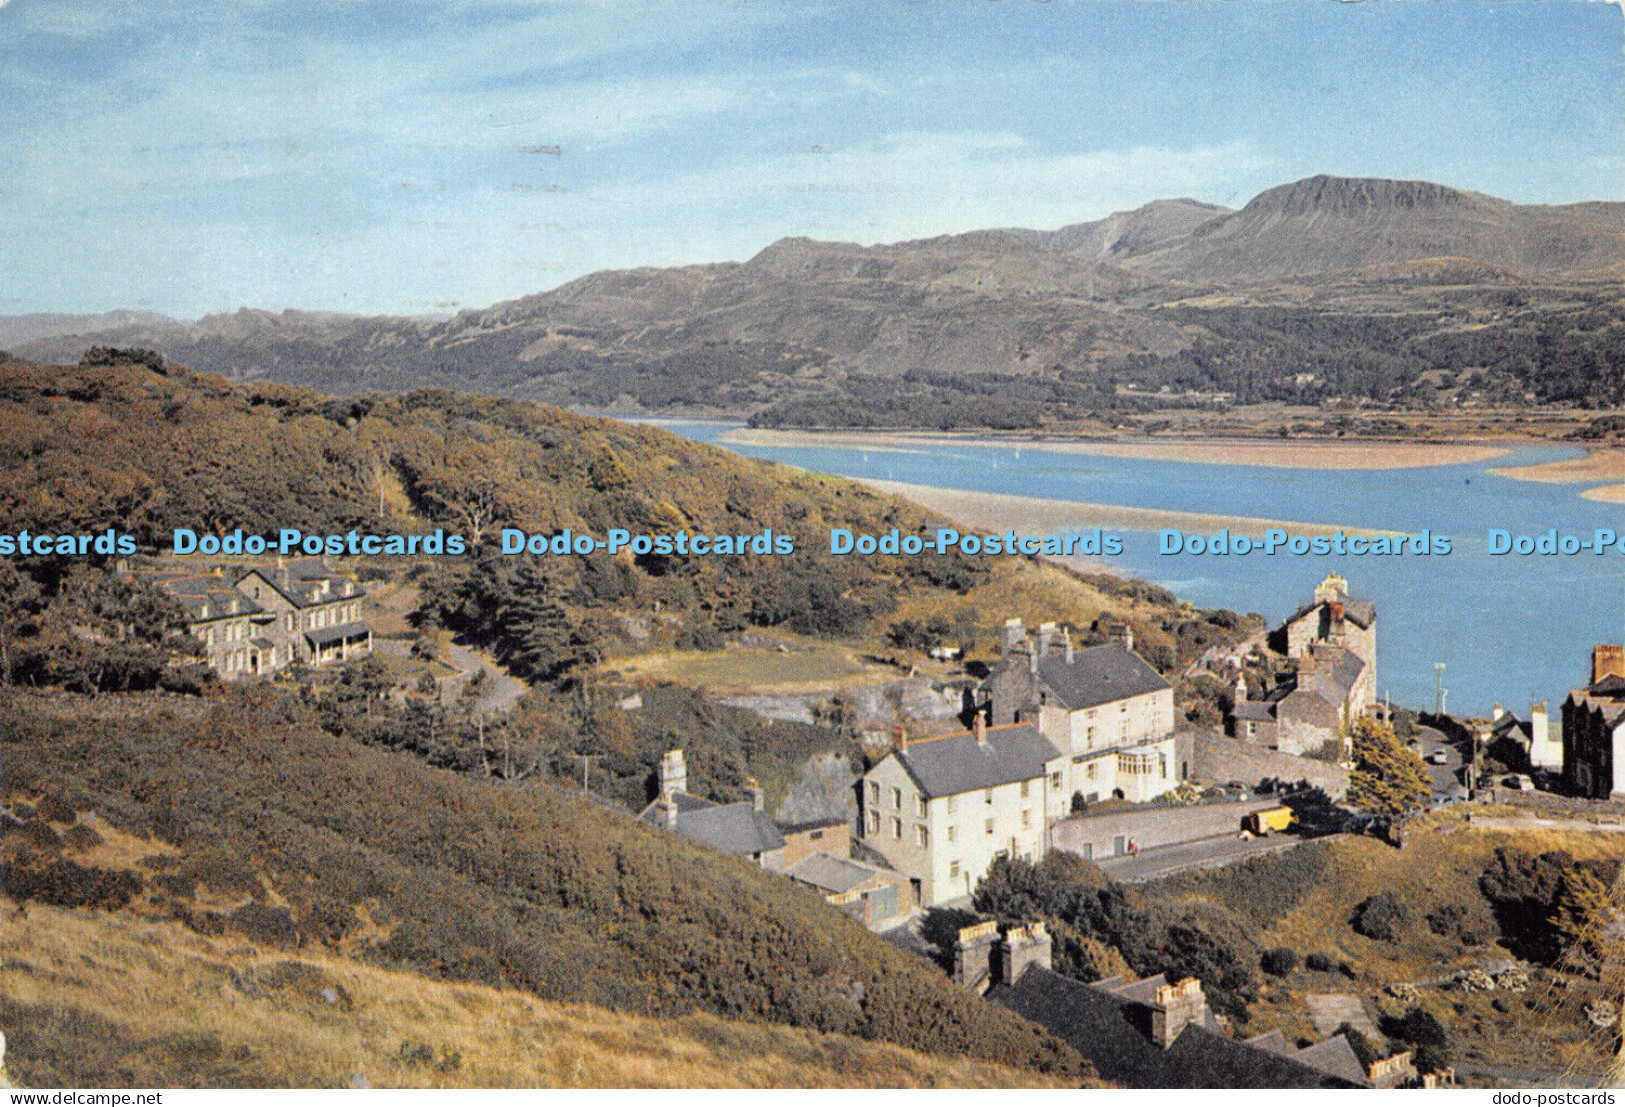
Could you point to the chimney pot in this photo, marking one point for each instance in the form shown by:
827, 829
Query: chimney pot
979, 728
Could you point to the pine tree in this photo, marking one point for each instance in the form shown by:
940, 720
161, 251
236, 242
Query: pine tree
1389, 777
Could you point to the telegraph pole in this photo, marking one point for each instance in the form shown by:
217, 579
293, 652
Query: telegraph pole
1438, 688
586, 760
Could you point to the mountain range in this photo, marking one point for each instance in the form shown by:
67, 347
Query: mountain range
1077, 313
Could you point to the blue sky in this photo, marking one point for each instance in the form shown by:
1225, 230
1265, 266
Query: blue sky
427, 156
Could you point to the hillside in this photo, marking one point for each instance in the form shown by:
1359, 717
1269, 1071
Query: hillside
1325, 289
99, 999
246, 818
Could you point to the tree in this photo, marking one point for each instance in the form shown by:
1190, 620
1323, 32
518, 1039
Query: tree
1584, 912
1389, 777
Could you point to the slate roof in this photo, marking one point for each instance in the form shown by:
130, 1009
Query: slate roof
324, 635
1358, 611
1109, 1028
737, 829
1097, 675
1256, 710
197, 592
957, 763
1609, 687
829, 873
305, 579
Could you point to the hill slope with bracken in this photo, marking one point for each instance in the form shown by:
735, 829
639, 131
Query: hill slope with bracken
248, 818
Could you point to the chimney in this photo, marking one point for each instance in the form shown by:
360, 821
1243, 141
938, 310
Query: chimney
1176, 1007
673, 776
1020, 949
1496, 713
1046, 638
1240, 695
1012, 634
1032, 660
1066, 643
1120, 634
754, 791
979, 728
973, 955
1607, 661
1334, 621
668, 812
1333, 588
280, 577
899, 736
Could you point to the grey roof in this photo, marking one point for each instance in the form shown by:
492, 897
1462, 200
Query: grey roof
1097, 675
198, 593
304, 586
1336, 1057
831, 873
323, 635
1109, 1028
1256, 710
957, 763
733, 828
1361, 612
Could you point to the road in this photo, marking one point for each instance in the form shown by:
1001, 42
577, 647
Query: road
1208, 853
1446, 777
501, 691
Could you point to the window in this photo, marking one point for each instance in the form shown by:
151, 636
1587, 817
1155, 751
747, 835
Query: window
953, 833
1094, 769
988, 796
922, 837
953, 802
919, 806
1055, 782
990, 828
874, 793
1026, 820
953, 870
1024, 785
897, 829
874, 822
815, 835
897, 799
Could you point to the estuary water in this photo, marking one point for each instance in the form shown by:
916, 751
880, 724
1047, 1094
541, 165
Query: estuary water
1507, 628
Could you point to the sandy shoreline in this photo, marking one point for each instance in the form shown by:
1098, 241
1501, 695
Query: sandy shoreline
995, 512
1599, 464
1215, 451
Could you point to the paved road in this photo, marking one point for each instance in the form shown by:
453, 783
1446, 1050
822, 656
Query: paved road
501, 690
1446, 777
1207, 853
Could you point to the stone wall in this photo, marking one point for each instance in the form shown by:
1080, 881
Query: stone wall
1094, 836
1217, 760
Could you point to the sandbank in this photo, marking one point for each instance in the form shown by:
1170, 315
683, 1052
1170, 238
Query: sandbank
1289, 454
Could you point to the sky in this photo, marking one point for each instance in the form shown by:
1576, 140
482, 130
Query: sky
423, 156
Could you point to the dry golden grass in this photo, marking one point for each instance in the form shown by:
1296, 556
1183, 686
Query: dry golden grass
171, 1007
806, 666
1441, 864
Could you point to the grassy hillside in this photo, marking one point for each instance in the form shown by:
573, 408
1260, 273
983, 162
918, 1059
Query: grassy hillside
91, 999
245, 817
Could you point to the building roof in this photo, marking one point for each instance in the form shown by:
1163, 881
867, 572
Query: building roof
957, 763
1256, 710
205, 596
1360, 612
829, 873
310, 582
322, 636
1097, 675
737, 829
1109, 1025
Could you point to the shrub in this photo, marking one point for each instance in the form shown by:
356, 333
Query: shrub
1380, 917
81, 837
1279, 961
55, 809
1428, 1036
63, 883
1320, 962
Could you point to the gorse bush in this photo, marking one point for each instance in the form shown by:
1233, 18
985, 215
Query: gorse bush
473, 880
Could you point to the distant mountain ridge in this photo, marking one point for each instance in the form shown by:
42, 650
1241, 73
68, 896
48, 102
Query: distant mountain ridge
802, 317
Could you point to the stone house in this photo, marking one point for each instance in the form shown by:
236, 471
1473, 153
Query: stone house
225, 621
1333, 638
309, 613
740, 829
1594, 729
